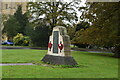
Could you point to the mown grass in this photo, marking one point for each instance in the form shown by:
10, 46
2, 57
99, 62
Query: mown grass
91, 65
22, 55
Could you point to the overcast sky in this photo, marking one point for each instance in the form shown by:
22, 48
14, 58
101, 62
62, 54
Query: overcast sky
78, 12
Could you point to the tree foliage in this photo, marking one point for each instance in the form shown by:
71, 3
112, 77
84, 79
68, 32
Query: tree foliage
71, 31
15, 23
82, 25
39, 34
22, 18
21, 40
55, 13
104, 30
11, 27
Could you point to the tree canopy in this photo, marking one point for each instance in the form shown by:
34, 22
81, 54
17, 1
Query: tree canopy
54, 13
39, 34
11, 27
104, 29
22, 18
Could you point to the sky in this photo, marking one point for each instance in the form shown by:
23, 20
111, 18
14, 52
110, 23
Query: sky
78, 12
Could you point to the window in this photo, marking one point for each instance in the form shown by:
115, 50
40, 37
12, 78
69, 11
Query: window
6, 6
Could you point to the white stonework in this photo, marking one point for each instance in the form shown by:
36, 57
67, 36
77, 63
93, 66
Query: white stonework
62, 32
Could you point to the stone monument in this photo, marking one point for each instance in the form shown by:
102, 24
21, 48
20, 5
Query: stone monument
59, 48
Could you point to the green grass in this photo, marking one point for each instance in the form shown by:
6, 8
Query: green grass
22, 56
92, 65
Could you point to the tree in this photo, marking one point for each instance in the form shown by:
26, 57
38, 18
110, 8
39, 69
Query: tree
11, 27
39, 34
71, 32
22, 19
55, 13
82, 25
105, 30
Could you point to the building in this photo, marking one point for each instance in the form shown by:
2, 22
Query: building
10, 6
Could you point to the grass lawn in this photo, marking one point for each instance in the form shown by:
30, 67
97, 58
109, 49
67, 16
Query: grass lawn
92, 65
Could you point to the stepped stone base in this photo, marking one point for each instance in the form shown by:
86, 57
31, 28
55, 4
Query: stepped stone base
59, 60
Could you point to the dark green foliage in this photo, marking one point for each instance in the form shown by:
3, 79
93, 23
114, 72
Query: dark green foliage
82, 25
21, 18
16, 23
11, 27
39, 34
80, 45
105, 29
116, 51
71, 32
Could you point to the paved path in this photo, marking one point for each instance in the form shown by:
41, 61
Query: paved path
8, 64
93, 51
99, 51
12, 47
14, 64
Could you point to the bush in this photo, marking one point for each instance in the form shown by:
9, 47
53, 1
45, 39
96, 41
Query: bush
21, 40
116, 51
81, 45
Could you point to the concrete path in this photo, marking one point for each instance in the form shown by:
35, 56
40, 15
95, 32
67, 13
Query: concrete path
99, 51
93, 51
12, 47
8, 64
14, 64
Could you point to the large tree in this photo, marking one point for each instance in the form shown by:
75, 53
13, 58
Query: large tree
105, 29
54, 13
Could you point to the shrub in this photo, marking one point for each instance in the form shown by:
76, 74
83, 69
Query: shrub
116, 51
21, 40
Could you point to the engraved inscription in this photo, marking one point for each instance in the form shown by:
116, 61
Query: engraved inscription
55, 41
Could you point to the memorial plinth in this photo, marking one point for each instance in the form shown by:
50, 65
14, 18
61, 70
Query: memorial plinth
59, 48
